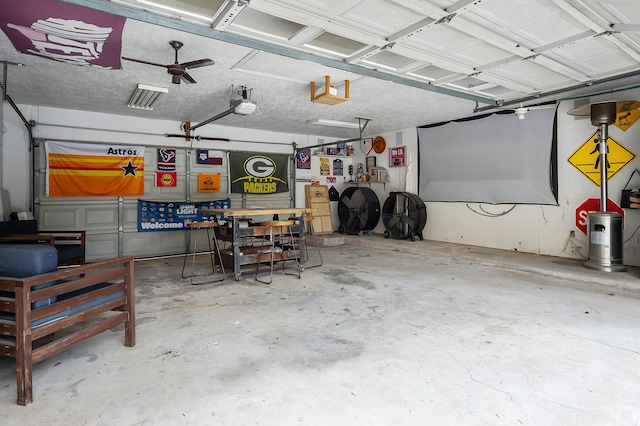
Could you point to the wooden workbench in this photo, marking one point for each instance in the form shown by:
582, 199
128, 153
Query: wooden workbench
241, 254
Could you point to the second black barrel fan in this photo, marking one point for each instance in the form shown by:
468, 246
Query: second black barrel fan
404, 215
358, 210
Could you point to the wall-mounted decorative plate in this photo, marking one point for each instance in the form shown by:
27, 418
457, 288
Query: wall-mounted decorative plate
379, 145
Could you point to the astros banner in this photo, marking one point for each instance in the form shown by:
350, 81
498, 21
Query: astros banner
88, 170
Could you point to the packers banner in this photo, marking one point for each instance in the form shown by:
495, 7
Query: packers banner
88, 170
252, 173
174, 215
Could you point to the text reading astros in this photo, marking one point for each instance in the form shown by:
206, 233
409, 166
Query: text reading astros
122, 152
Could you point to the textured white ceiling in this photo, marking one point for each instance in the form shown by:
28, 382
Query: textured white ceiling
442, 56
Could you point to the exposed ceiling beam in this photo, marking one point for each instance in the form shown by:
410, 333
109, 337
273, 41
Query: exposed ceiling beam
590, 19
229, 11
412, 29
467, 27
463, 6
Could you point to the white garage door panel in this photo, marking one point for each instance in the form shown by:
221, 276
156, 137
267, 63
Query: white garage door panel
144, 244
130, 217
168, 192
101, 247
63, 217
101, 217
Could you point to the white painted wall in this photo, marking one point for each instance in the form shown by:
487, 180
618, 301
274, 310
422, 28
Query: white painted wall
546, 229
527, 228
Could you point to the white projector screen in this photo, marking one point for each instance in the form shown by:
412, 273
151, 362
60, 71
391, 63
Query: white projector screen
497, 159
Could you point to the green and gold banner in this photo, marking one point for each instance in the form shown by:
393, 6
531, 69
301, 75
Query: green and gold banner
252, 173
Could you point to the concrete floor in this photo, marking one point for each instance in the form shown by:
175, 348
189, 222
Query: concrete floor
419, 333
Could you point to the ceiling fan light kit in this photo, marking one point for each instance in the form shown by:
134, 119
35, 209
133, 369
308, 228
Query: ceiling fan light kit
145, 96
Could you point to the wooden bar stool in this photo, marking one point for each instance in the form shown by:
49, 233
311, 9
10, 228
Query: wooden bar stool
307, 222
281, 241
210, 227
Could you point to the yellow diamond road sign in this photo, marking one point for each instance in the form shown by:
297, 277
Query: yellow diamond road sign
587, 158
624, 120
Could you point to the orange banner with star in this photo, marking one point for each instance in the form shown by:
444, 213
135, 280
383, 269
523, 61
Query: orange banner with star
88, 170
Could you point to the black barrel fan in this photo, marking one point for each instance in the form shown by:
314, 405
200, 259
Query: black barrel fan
358, 210
404, 215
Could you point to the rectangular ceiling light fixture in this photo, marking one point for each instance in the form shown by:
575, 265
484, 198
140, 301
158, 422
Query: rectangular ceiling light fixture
145, 96
334, 123
176, 10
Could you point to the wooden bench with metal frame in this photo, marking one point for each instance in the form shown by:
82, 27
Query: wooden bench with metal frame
34, 310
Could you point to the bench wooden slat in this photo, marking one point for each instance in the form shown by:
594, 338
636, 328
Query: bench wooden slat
60, 345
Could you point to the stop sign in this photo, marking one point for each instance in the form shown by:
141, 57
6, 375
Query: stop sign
593, 205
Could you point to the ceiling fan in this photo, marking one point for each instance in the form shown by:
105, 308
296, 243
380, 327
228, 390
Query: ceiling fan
178, 70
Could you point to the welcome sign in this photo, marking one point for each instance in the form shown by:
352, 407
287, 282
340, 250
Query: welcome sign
174, 215
252, 173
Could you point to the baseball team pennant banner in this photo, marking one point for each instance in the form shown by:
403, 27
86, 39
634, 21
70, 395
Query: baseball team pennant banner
87, 170
63, 32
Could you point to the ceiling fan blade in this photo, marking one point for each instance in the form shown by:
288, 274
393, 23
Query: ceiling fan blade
199, 63
175, 79
187, 78
144, 62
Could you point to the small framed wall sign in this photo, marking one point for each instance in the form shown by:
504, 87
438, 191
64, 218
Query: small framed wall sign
371, 163
397, 156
